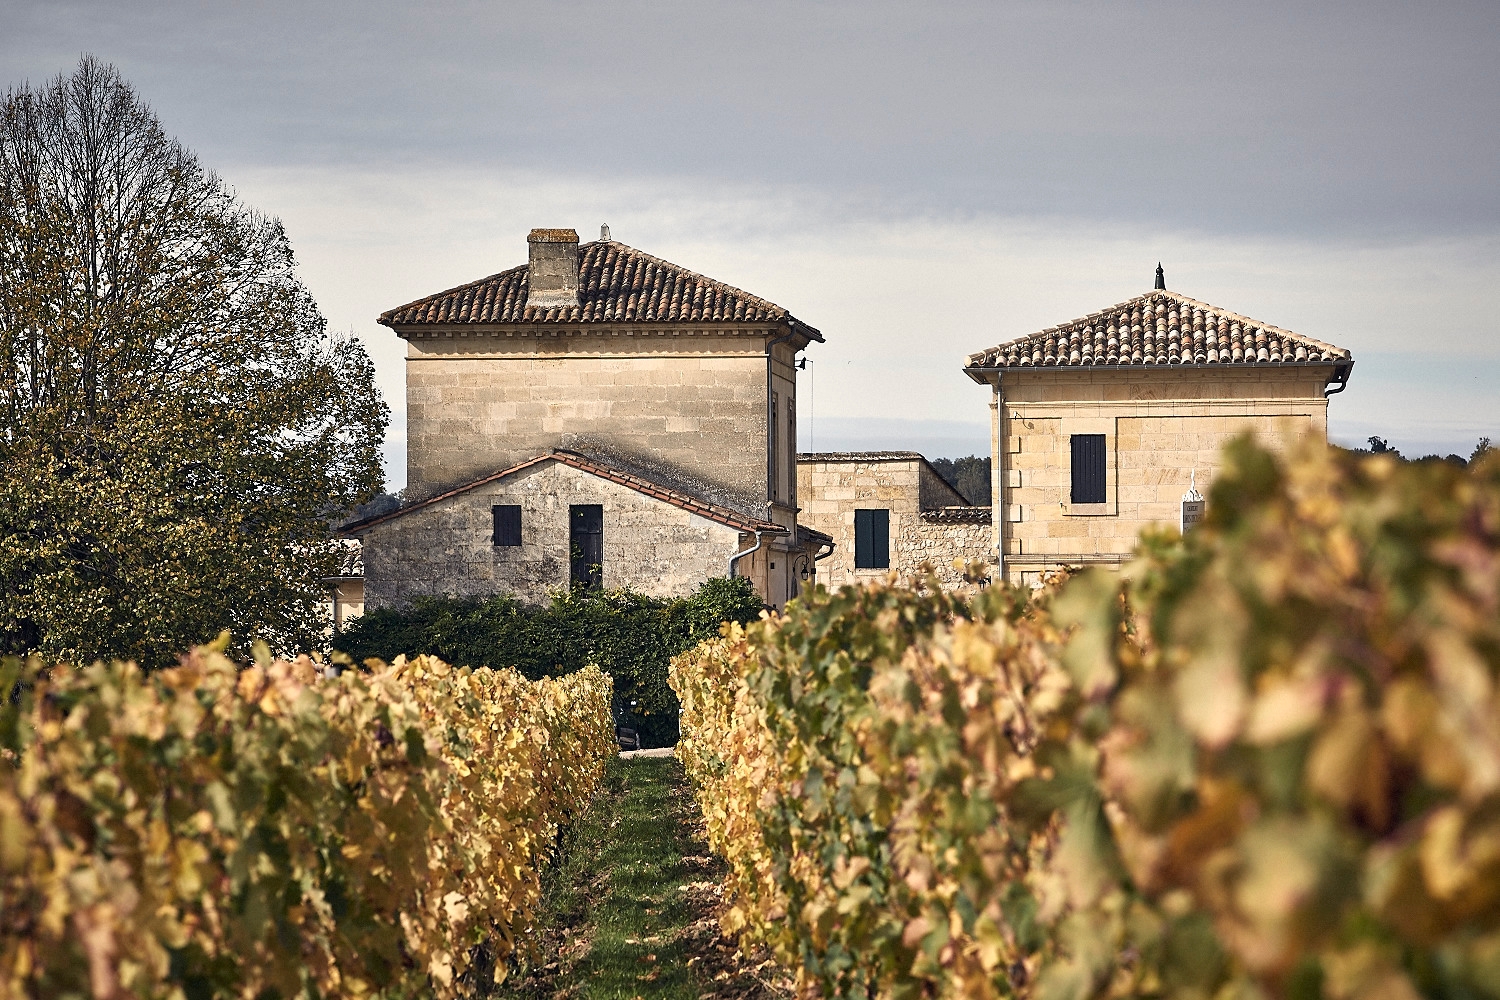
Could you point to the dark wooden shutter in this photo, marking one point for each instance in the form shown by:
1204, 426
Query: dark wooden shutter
507, 523
791, 450
586, 545
862, 549
774, 487
872, 539
881, 543
1088, 468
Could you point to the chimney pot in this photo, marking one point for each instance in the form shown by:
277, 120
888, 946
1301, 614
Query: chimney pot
552, 271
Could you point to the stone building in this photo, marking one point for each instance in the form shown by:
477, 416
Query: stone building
346, 589
1100, 425
596, 416
888, 511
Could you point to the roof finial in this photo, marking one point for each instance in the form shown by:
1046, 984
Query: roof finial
604, 233
1161, 277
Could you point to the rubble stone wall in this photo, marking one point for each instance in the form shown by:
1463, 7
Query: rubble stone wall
940, 542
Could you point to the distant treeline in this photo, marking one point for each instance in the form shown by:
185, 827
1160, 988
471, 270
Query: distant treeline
1380, 446
970, 475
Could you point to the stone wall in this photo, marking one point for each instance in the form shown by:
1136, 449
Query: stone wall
345, 602
691, 408
832, 486
1161, 428
940, 536
446, 548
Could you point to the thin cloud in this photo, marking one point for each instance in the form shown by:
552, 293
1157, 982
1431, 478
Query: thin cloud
1273, 118
920, 181
903, 300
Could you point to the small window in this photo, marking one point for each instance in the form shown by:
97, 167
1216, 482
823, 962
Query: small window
1088, 468
872, 539
507, 523
586, 545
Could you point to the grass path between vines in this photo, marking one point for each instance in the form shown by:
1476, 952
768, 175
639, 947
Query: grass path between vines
630, 909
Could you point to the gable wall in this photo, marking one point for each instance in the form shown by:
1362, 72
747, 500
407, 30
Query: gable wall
934, 491
1159, 426
650, 546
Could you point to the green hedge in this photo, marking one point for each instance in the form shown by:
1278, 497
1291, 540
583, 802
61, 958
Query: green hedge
630, 636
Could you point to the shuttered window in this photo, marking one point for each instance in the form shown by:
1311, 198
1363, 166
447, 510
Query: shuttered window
791, 450
872, 539
1088, 468
507, 523
775, 462
586, 545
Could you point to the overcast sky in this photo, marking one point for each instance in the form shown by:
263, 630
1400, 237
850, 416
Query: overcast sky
919, 181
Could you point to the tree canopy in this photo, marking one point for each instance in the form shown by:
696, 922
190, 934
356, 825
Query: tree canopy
177, 424
969, 475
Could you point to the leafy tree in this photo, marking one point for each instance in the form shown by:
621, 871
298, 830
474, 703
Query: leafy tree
969, 475
177, 426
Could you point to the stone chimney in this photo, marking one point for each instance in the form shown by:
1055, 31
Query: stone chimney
552, 278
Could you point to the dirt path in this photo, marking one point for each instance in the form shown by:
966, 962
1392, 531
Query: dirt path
631, 907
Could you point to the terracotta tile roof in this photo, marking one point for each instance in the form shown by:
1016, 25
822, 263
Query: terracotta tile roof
713, 512
957, 515
1158, 328
351, 560
617, 283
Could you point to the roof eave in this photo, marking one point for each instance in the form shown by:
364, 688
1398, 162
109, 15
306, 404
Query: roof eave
762, 327
799, 327
976, 372
980, 374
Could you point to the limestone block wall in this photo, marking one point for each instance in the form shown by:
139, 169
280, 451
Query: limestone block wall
1159, 427
831, 487
346, 602
446, 548
693, 407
